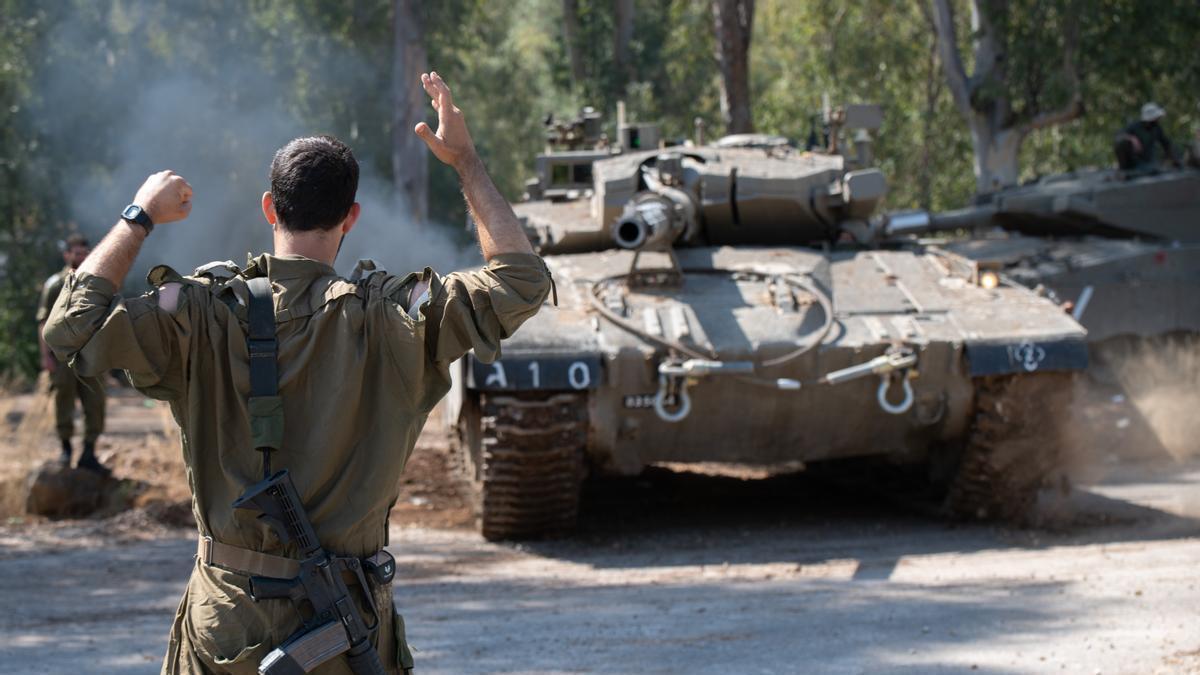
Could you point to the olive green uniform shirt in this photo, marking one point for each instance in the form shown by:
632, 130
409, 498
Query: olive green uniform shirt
358, 376
67, 386
50, 291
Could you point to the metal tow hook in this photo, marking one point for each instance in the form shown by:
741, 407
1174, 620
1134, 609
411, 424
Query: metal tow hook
674, 377
885, 366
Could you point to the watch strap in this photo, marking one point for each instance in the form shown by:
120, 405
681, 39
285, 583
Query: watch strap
141, 218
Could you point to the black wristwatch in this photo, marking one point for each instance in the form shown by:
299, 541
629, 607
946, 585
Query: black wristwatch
135, 214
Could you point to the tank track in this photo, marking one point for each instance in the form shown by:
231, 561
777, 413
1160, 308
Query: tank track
530, 467
1013, 447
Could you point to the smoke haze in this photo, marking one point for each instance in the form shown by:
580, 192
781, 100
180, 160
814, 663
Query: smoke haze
218, 125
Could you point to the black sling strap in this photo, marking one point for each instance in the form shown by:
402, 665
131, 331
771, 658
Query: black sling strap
266, 408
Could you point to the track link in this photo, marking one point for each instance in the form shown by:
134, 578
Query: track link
531, 464
1013, 447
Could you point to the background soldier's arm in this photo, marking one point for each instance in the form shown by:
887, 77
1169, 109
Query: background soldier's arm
48, 363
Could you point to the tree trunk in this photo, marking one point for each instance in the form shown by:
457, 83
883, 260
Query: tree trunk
410, 157
733, 21
622, 38
996, 153
928, 131
571, 38
996, 132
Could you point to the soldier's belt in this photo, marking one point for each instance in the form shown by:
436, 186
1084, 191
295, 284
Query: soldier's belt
379, 567
245, 561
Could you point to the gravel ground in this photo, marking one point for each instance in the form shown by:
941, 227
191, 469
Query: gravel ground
707, 581
676, 572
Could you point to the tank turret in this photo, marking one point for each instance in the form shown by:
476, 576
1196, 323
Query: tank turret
1121, 250
564, 169
1106, 203
742, 190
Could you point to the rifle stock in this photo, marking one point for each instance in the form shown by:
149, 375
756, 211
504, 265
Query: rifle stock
335, 626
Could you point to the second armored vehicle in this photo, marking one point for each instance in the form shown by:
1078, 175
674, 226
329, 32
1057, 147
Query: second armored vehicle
710, 309
1122, 249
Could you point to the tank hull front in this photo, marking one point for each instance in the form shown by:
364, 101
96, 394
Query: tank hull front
882, 302
1116, 287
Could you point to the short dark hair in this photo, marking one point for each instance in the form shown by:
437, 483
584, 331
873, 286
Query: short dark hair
313, 182
74, 240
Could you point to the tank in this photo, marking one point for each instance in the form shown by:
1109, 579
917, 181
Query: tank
1121, 250
714, 307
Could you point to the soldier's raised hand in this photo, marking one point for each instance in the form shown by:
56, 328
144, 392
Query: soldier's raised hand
165, 197
451, 143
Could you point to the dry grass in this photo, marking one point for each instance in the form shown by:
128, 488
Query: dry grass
144, 451
34, 415
27, 431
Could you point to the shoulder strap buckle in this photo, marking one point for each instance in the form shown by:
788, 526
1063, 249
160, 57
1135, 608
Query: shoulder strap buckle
265, 407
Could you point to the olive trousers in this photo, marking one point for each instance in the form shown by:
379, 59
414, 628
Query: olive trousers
67, 387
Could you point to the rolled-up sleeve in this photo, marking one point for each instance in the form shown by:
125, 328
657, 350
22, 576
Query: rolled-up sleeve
477, 309
94, 330
49, 295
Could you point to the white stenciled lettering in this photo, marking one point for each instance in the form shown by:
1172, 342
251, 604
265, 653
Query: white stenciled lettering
578, 375
535, 371
498, 378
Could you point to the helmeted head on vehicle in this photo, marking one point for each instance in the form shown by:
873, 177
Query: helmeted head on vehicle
75, 249
313, 185
1152, 113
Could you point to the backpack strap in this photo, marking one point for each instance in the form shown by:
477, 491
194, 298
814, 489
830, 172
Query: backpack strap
265, 405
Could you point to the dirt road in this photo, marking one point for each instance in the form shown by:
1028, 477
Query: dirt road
684, 573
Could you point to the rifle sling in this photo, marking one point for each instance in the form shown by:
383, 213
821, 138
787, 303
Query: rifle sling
265, 406
245, 561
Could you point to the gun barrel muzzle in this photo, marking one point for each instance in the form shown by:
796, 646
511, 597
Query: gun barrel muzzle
647, 223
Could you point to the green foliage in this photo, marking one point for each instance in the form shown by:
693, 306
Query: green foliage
868, 52
498, 58
1130, 52
326, 64
30, 219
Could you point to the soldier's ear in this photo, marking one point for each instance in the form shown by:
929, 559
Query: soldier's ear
351, 218
268, 208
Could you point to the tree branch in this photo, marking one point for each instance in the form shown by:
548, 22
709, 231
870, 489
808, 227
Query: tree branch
571, 38
941, 17
1070, 70
1063, 115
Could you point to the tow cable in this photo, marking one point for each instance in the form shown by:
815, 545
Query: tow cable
676, 374
674, 378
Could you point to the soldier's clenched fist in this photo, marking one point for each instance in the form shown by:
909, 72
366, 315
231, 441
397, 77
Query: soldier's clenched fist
165, 196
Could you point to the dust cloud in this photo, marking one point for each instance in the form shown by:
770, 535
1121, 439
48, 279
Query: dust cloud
1139, 404
1161, 378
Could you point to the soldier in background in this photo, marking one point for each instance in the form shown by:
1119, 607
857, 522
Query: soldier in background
64, 382
1138, 143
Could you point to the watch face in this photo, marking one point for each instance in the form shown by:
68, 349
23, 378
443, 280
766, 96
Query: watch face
131, 212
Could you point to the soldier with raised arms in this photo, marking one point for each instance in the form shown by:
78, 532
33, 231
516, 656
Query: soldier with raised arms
360, 364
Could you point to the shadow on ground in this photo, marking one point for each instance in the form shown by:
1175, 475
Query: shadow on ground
689, 518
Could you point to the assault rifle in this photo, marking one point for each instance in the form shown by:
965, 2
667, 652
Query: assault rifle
335, 625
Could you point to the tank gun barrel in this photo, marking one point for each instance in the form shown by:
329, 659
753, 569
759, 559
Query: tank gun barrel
649, 221
923, 222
